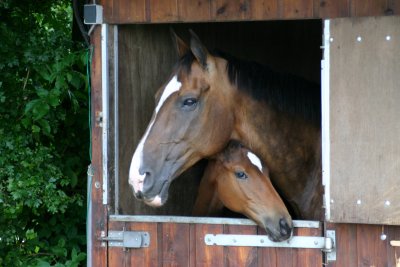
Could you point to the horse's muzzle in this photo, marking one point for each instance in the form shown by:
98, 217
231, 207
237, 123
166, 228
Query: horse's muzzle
138, 194
285, 229
283, 232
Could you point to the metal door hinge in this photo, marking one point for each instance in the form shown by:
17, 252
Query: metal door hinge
330, 245
127, 239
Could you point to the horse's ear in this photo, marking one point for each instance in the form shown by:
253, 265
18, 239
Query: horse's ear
199, 51
181, 47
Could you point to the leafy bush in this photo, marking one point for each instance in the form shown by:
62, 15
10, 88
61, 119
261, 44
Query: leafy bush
43, 136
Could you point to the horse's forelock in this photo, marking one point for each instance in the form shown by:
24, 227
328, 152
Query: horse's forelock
185, 62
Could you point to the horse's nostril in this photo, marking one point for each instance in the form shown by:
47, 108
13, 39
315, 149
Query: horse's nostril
144, 171
285, 228
139, 195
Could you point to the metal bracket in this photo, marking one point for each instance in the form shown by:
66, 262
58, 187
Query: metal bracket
330, 248
127, 239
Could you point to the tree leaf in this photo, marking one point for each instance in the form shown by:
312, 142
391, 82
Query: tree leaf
42, 263
73, 254
40, 111
29, 106
42, 93
26, 122
75, 80
54, 97
45, 126
44, 73
60, 82
35, 129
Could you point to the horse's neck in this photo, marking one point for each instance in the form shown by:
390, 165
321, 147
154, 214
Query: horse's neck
207, 202
290, 148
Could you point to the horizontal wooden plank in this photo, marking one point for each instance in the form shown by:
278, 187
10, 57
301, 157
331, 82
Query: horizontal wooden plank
262, 9
368, 8
297, 9
163, 11
332, 8
153, 11
231, 10
195, 12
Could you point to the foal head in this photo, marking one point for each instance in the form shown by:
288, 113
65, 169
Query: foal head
243, 185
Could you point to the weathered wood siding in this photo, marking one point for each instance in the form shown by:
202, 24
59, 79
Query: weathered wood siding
146, 58
155, 11
364, 120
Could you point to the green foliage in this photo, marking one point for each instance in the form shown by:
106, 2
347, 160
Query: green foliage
43, 136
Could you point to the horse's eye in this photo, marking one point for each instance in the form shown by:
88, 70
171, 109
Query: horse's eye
241, 175
189, 103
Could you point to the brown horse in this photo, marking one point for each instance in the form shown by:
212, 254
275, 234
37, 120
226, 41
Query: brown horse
211, 98
238, 180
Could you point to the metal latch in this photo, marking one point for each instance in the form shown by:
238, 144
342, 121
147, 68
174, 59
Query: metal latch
127, 239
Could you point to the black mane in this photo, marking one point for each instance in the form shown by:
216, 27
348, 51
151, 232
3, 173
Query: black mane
283, 91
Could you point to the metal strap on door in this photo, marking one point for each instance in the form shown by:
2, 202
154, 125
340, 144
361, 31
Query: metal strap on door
326, 244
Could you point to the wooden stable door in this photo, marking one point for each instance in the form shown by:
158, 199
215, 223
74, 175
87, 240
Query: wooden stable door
184, 244
361, 139
361, 111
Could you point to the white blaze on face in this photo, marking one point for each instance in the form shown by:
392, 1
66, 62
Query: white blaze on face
135, 178
255, 160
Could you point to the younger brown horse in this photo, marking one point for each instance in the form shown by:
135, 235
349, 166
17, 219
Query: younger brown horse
238, 180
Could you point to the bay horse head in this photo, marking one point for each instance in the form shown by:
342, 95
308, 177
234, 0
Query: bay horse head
192, 120
238, 180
